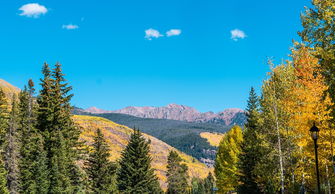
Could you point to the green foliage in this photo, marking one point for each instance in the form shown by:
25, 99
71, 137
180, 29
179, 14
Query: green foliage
250, 148
177, 174
100, 170
319, 32
135, 174
3, 129
203, 186
12, 149
33, 169
59, 132
226, 162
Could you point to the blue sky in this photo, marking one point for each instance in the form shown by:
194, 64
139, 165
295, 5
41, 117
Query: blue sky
112, 63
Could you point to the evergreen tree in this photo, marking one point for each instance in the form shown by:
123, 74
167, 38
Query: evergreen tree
60, 134
177, 174
3, 128
135, 174
209, 184
226, 162
33, 166
100, 170
198, 186
250, 149
12, 149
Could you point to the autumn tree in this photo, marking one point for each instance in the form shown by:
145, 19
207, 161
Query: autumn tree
275, 134
308, 104
226, 162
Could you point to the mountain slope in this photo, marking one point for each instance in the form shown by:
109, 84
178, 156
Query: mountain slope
117, 136
182, 135
9, 89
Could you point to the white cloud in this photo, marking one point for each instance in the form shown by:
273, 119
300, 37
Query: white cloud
237, 34
152, 33
173, 32
33, 10
70, 27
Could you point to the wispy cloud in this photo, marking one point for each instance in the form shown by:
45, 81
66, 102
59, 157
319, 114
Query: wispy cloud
33, 10
237, 34
173, 32
70, 27
152, 33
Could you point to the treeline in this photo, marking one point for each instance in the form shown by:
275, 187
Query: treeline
275, 152
41, 151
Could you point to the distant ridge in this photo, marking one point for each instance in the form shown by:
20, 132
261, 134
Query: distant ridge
228, 117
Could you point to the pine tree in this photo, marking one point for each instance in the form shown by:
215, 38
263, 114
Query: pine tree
226, 162
250, 149
177, 174
209, 184
197, 186
12, 149
60, 133
3, 128
135, 174
33, 166
100, 170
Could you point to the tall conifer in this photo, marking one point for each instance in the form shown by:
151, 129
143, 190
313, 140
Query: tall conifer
60, 133
135, 174
250, 150
33, 166
177, 174
12, 149
100, 169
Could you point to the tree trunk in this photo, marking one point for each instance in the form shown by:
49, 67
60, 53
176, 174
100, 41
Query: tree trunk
279, 152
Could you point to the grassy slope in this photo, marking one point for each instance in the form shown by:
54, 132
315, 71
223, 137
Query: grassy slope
8, 89
213, 138
117, 136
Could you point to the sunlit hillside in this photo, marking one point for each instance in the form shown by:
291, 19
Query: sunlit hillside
212, 138
117, 136
8, 88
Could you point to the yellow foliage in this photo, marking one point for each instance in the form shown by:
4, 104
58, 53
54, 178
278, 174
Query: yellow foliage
117, 137
212, 138
307, 105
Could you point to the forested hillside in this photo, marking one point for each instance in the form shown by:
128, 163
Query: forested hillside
182, 135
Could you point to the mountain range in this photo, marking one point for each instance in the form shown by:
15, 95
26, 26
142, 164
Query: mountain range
228, 117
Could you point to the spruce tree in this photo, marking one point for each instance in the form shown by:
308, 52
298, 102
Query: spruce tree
135, 174
60, 133
209, 183
33, 166
177, 174
12, 149
250, 150
3, 128
101, 171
